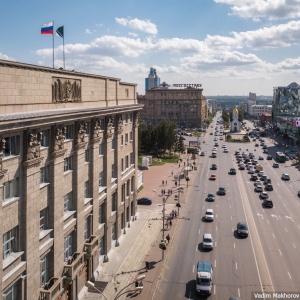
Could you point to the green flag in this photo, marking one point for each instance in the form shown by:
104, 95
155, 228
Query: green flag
60, 31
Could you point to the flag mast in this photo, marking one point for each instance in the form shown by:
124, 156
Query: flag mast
53, 42
64, 48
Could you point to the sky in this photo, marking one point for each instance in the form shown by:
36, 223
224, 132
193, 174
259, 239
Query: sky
231, 47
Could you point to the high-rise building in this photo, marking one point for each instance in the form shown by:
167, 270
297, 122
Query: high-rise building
152, 81
68, 167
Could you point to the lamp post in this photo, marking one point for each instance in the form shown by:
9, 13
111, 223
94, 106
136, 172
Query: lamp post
92, 285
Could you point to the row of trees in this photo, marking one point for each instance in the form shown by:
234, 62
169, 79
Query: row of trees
160, 138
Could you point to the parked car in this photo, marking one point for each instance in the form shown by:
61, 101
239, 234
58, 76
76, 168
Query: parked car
207, 242
202, 153
285, 176
213, 167
144, 201
269, 157
209, 215
268, 203
242, 229
275, 165
213, 177
222, 191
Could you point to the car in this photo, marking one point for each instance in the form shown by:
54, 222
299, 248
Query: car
242, 229
268, 203
265, 151
242, 167
256, 145
254, 162
261, 173
209, 215
216, 144
207, 242
213, 177
257, 182
269, 157
213, 167
214, 149
267, 180
254, 177
298, 193
263, 178
210, 197
202, 153
263, 195
269, 187
215, 139
221, 138
265, 147
225, 150
258, 188
224, 146
275, 165
251, 171
144, 201
232, 171
285, 176
261, 157
222, 191
211, 133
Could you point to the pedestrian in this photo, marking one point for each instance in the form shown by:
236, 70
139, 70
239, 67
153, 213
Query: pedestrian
168, 238
179, 165
184, 163
172, 173
162, 191
166, 182
171, 224
171, 191
163, 183
175, 183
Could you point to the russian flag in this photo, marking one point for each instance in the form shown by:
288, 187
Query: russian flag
47, 28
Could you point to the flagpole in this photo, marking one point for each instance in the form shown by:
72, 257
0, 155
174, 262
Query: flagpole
53, 43
64, 47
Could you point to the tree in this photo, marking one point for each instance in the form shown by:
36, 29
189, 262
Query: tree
225, 116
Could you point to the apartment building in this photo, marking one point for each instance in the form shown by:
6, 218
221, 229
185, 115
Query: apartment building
185, 106
68, 164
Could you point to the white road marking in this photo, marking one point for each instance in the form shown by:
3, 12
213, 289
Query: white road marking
260, 215
268, 221
288, 217
280, 252
214, 289
236, 265
273, 235
193, 268
233, 245
285, 229
199, 231
239, 293
289, 275
274, 216
294, 245
215, 262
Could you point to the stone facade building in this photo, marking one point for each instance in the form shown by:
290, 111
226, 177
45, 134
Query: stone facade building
186, 107
68, 163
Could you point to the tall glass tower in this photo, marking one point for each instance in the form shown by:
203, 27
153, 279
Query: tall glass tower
152, 81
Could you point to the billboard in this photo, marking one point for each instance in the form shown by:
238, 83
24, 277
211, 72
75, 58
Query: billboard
297, 123
193, 144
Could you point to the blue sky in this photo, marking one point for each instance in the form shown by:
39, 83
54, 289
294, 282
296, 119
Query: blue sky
231, 47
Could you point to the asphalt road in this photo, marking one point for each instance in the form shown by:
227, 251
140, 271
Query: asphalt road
266, 261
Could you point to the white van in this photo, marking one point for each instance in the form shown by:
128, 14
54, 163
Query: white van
214, 154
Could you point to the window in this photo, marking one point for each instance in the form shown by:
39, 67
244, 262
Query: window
87, 227
87, 155
127, 161
44, 219
68, 202
128, 188
122, 140
10, 189
101, 247
113, 143
126, 138
11, 146
13, 292
69, 132
10, 242
101, 149
68, 246
44, 175
68, 164
44, 270
131, 158
87, 190
101, 179
113, 232
122, 164
132, 184
113, 202
102, 210
130, 117
113, 171
45, 138
131, 135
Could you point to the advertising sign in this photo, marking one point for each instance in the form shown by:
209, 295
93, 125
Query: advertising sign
193, 144
297, 123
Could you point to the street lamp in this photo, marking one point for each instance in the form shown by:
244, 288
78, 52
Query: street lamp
92, 285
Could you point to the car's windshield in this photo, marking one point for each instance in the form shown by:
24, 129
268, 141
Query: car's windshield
242, 227
203, 281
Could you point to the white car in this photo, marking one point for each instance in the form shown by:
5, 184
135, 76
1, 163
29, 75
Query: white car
225, 150
251, 171
209, 215
214, 149
258, 188
224, 146
261, 173
285, 177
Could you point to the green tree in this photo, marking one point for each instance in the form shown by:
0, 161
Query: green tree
225, 116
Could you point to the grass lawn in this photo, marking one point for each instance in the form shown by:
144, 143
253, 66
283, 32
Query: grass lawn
158, 161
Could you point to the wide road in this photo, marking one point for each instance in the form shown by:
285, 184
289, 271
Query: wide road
266, 261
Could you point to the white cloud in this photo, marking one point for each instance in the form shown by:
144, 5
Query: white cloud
6, 57
88, 31
137, 24
268, 9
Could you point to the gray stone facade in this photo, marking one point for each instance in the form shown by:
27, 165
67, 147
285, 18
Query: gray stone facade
68, 165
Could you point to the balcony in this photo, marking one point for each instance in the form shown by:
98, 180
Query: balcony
91, 244
73, 264
52, 289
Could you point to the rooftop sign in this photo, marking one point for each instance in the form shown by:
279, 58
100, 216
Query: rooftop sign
194, 85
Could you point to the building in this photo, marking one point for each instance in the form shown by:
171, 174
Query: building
68, 164
265, 120
235, 125
258, 110
185, 106
286, 112
152, 81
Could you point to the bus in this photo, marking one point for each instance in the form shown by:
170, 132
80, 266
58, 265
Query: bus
280, 157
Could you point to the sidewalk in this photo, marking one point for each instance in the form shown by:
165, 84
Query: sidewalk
116, 278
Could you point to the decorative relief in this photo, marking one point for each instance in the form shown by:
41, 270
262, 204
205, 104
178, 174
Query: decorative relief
34, 145
60, 133
82, 128
136, 120
66, 90
120, 123
109, 126
2, 147
97, 125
